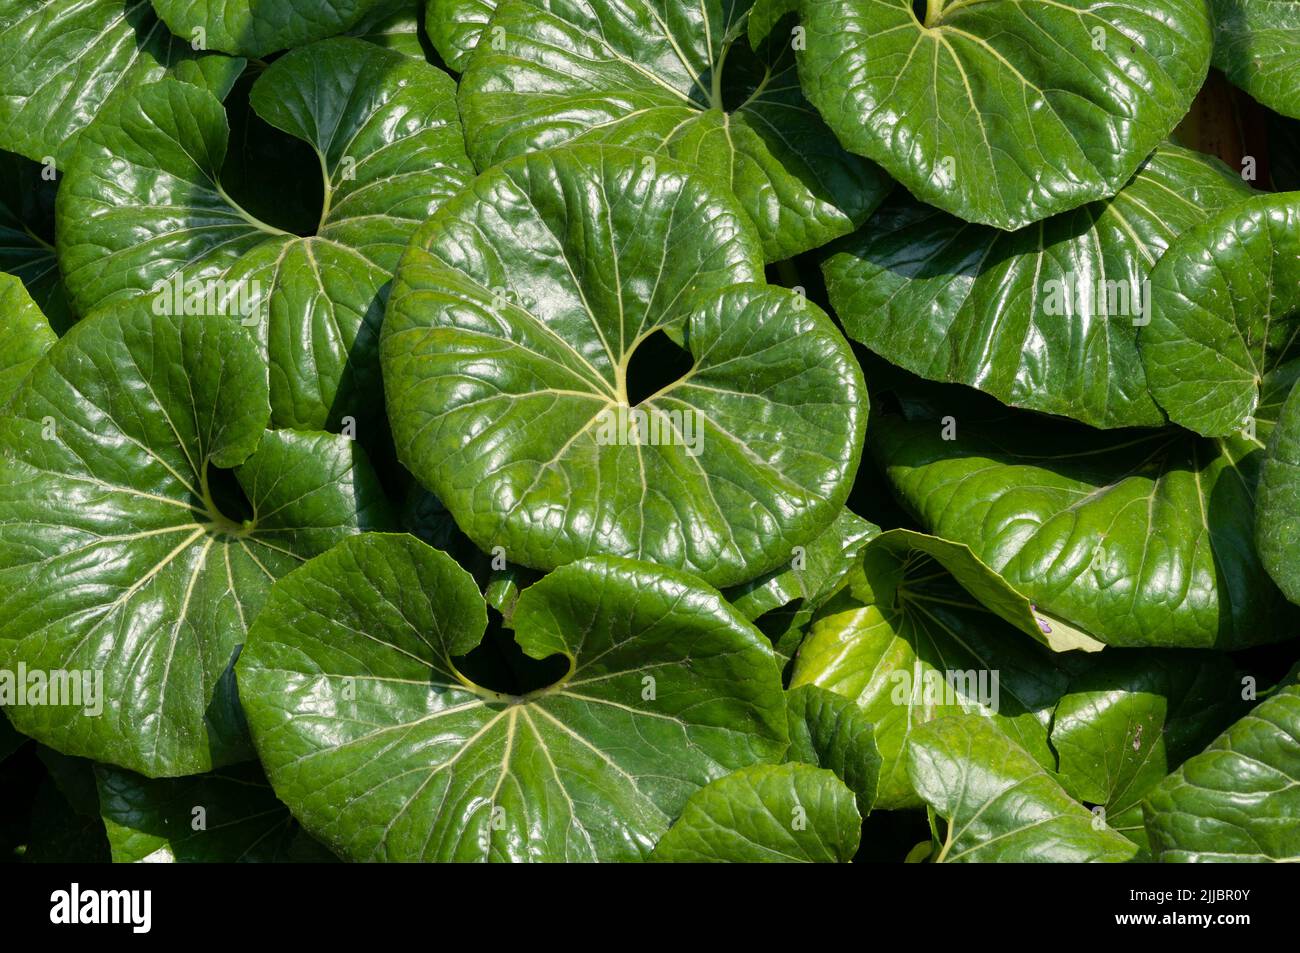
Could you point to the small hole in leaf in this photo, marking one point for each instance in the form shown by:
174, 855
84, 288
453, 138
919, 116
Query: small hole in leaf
918, 10
654, 364
227, 498
500, 665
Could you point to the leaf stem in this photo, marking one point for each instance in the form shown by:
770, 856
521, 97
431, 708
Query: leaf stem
247, 216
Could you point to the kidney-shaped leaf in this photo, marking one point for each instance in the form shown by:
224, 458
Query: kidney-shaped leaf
1045, 317
1255, 44
1000, 805
387, 134
1239, 800
384, 750
126, 550
770, 813
513, 319
259, 27
1226, 310
1141, 538
673, 77
61, 61
1004, 111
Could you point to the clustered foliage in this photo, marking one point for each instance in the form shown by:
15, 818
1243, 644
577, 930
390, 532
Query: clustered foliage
726, 430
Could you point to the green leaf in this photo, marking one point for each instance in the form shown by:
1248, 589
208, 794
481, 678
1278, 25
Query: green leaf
669, 77
1000, 805
259, 27
63, 61
1239, 800
126, 550
227, 816
454, 26
1045, 317
26, 336
1140, 538
923, 631
785, 813
513, 319
27, 233
1277, 524
386, 132
1226, 311
396, 29
1131, 718
830, 731
1004, 112
385, 751
1255, 43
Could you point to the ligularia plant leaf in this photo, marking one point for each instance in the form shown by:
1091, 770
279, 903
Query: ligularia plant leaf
1255, 43
437, 430
1047, 317
385, 130
144, 513
787, 813
673, 78
925, 630
513, 319
1240, 798
1139, 538
1226, 301
259, 27
1000, 805
66, 60
384, 750
1004, 111
27, 335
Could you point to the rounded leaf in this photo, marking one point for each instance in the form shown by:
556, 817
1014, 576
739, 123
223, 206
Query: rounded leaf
1255, 44
675, 78
1046, 317
129, 561
259, 27
385, 129
770, 813
1004, 111
1141, 538
1239, 800
1226, 305
513, 318
27, 335
385, 751
62, 61
1000, 804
